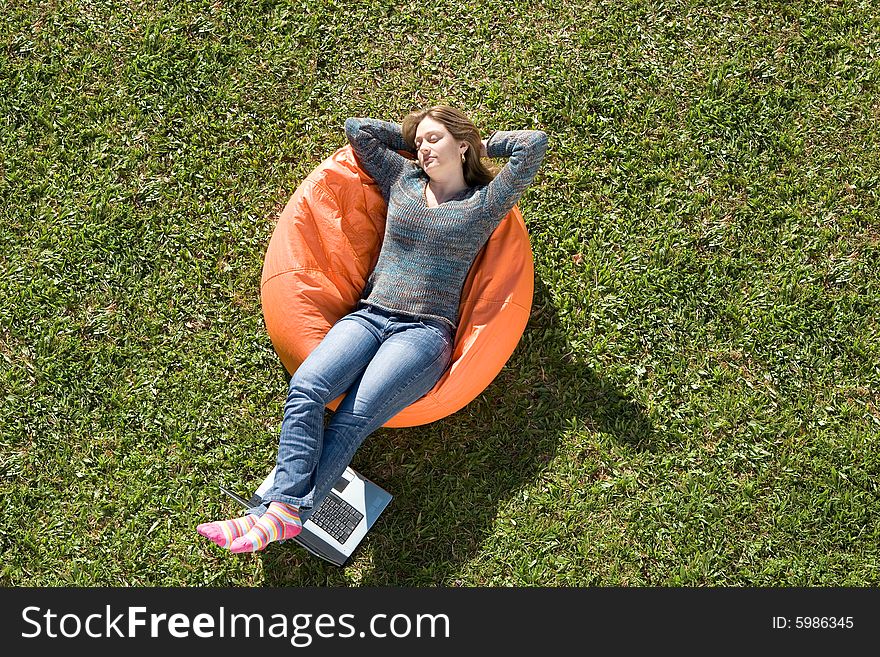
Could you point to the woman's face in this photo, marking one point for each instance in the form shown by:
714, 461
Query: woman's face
437, 150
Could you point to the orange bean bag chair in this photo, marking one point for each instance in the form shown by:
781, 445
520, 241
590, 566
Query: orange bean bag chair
322, 250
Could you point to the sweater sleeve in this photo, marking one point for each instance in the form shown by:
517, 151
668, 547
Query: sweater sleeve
525, 150
376, 144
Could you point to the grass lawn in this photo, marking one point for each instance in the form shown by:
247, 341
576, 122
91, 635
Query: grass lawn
696, 398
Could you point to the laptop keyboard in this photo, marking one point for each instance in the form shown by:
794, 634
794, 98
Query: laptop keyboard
336, 517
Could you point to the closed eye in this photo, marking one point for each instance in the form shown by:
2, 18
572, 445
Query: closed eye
431, 138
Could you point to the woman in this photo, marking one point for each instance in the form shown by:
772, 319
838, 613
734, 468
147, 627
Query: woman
394, 347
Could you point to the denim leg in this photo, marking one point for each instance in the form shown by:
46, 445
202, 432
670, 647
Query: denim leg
410, 361
338, 360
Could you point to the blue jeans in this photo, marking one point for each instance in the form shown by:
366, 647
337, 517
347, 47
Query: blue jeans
383, 361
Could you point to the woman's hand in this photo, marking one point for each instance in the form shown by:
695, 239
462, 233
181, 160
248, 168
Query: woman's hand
483, 152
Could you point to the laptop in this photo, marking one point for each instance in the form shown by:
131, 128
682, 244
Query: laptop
340, 522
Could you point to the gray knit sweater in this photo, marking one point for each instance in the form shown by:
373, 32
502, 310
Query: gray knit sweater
427, 252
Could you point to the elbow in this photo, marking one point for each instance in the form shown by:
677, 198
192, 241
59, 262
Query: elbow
541, 140
352, 128
534, 145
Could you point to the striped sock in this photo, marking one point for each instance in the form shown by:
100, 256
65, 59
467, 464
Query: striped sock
223, 532
281, 521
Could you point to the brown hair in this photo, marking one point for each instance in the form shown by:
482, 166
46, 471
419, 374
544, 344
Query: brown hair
462, 129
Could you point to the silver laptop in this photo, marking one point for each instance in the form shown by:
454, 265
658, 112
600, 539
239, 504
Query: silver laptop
341, 521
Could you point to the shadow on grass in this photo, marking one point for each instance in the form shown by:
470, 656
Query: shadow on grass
450, 478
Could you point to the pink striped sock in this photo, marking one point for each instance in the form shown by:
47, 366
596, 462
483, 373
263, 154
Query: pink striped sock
223, 532
281, 521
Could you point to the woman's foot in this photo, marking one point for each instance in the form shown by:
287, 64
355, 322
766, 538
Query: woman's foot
224, 532
280, 522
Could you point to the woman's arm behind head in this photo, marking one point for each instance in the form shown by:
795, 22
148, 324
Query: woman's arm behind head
376, 143
525, 150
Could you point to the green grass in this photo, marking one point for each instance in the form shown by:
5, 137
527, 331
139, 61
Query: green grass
696, 398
